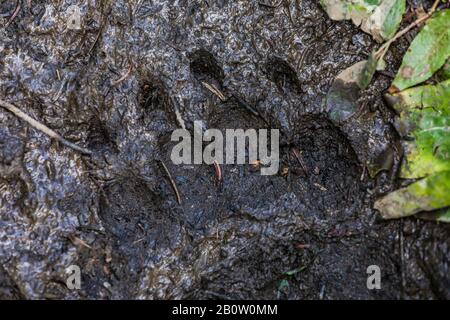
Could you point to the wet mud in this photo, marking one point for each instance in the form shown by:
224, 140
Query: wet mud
138, 70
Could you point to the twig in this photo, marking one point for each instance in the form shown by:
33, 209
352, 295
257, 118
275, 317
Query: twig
16, 11
172, 182
75, 240
37, 125
299, 158
61, 88
385, 47
139, 240
435, 5
214, 90
122, 78
218, 170
245, 104
303, 56
97, 37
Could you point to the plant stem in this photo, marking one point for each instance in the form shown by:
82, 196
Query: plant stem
385, 47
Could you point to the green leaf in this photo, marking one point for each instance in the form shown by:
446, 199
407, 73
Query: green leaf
349, 9
428, 194
427, 53
395, 11
295, 271
424, 117
369, 69
283, 284
385, 20
380, 18
381, 65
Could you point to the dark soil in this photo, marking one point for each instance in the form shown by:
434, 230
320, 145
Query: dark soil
308, 232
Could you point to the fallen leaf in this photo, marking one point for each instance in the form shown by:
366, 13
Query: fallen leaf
380, 18
428, 194
424, 119
383, 23
342, 98
424, 122
427, 53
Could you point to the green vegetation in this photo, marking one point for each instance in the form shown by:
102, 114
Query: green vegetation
423, 111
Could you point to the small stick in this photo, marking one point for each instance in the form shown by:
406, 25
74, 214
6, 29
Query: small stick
122, 78
14, 15
97, 37
75, 240
218, 169
300, 160
139, 240
384, 48
321, 187
37, 125
214, 90
172, 182
244, 103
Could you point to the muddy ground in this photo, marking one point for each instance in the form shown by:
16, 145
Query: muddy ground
124, 82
